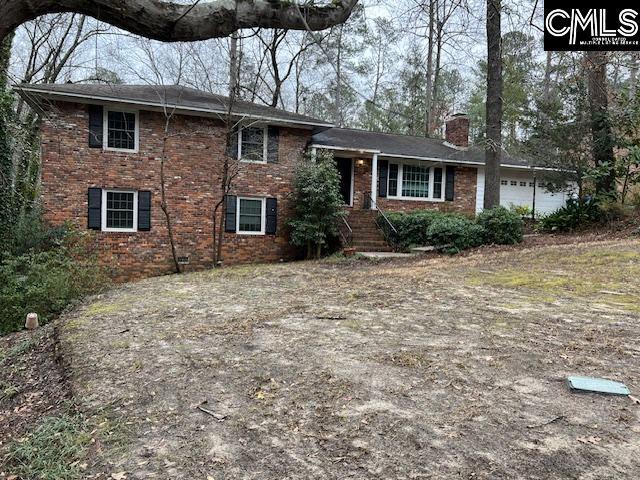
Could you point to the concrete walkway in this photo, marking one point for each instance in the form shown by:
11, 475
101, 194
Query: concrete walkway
386, 254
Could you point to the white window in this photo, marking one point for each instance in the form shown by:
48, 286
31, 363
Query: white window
119, 211
251, 216
523, 184
252, 144
503, 182
413, 181
121, 130
514, 183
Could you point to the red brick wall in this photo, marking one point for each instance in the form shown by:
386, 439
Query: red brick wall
192, 173
464, 192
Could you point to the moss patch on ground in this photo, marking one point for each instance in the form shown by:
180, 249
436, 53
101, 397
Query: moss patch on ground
602, 275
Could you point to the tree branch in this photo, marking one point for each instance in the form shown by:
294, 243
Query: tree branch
173, 22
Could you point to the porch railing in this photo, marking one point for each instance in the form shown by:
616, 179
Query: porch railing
368, 201
347, 235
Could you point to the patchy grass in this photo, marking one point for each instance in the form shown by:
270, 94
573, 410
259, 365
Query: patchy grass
103, 308
602, 275
16, 350
54, 450
60, 447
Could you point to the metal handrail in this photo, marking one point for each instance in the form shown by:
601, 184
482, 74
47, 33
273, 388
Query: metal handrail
347, 240
377, 207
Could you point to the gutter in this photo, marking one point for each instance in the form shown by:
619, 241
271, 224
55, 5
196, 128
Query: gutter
429, 159
183, 108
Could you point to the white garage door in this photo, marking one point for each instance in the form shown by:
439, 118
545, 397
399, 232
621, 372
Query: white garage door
516, 188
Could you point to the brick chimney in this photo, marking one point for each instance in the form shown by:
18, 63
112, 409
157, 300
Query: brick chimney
457, 130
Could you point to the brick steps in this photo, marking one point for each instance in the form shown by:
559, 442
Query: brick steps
366, 236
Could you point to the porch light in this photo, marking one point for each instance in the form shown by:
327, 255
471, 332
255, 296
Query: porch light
360, 162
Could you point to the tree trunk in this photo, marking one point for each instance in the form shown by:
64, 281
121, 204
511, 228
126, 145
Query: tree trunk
7, 212
338, 95
633, 75
163, 204
5, 57
233, 65
546, 83
600, 125
493, 148
429, 85
188, 22
436, 73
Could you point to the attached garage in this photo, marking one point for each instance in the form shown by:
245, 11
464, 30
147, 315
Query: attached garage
517, 188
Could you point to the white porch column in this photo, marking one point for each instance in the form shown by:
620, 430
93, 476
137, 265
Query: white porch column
374, 180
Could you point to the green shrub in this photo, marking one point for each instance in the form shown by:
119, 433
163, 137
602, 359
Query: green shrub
522, 211
411, 228
46, 281
31, 234
454, 233
318, 203
611, 211
573, 216
501, 226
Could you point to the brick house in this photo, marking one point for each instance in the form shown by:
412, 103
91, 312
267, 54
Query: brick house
101, 154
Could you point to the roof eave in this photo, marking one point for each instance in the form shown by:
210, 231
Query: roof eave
428, 159
74, 97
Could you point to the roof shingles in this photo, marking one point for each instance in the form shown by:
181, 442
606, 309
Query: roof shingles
167, 95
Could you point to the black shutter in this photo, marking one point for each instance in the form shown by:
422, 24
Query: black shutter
144, 210
95, 126
230, 214
273, 143
272, 216
449, 185
383, 173
232, 148
94, 217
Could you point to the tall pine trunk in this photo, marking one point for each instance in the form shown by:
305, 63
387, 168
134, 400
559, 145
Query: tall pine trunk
600, 124
429, 85
493, 146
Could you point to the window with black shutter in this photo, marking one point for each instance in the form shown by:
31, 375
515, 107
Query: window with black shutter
120, 210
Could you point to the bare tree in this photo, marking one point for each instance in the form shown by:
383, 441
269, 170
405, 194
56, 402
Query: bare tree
172, 21
273, 42
233, 65
493, 148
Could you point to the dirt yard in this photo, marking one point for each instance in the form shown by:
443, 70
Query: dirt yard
447, 367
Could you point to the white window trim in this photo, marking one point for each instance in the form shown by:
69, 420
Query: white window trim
105, 131
265, 145
103, 224
263, 216
430, 198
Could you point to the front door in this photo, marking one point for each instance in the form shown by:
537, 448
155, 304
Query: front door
344, 166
